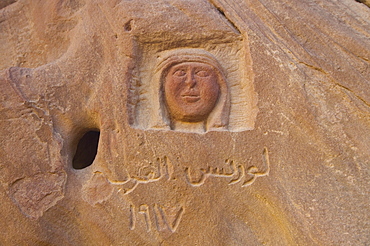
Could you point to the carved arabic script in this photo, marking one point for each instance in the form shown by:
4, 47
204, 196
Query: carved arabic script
236, 173
164, 170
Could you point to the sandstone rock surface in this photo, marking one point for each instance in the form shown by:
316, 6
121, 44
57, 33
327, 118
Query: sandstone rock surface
94, 153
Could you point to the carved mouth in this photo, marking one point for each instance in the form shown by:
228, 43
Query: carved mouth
191, 97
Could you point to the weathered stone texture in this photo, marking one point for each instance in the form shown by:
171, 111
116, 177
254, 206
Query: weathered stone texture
286, 164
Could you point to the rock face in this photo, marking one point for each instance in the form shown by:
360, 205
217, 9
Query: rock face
184, 122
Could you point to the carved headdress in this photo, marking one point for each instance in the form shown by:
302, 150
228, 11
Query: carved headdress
219, 117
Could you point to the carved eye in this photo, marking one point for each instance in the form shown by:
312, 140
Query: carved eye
179, 73
202, 73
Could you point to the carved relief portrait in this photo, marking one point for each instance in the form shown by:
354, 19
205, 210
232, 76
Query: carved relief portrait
193, 92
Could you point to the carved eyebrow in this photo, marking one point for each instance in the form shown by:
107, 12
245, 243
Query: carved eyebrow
201, 68
204, 66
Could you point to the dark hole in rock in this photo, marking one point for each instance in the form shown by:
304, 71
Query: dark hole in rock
86, 150
128, 26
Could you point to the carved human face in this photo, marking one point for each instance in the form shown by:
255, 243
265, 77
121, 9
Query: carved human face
191, 91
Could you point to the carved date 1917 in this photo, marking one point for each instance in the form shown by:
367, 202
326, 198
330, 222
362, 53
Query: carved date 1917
156, 217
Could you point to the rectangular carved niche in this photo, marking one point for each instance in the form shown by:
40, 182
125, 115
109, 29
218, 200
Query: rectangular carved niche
184, 86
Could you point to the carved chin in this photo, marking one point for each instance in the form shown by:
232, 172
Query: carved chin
191, 114
192, 118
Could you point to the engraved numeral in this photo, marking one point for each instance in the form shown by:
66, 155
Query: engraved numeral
164, 218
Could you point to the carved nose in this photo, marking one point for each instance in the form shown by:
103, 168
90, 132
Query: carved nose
190, 80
